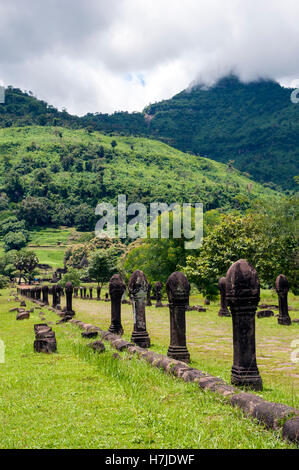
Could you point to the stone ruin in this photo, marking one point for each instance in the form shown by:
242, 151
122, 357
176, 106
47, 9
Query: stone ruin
158, 292
116, 289
178, 289
223, 312
282, 289
138, 293
45, 340
243, 295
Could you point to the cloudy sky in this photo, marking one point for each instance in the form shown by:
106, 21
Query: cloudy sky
108, 55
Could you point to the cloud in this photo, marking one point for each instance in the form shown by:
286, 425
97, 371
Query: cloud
100, 56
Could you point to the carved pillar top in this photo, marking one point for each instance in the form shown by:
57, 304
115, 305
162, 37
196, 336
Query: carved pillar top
222, 285
138, 285
178, 288
242, 287
69, 288
282, 284
116, 286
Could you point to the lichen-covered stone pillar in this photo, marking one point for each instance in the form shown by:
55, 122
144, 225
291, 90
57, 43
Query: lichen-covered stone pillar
138, 292
84, 290
282, 289
149, 291
158, 290
178, 289
223, 312
242, 296
58, 294
45, 291
116, 290
98, 292
38, 293
69, 298
90, 292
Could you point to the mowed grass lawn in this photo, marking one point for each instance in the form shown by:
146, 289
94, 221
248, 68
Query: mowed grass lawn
78, 399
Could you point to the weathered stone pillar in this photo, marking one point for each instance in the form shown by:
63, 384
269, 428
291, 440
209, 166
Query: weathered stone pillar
69, 299
282, 289
106, 297
38, 293
55, 297
81, 292
45, 291
243, 295
116, 290
149, 291
58, 293
90, 292
84, 290
75, 291
178, 289
98, 292
138, 291
223, 312
158, 289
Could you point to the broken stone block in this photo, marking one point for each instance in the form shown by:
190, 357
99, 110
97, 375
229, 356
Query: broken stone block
291, 430
97, 346
89, 334
265, 314
22, 315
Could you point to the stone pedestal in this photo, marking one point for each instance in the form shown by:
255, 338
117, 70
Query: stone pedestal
282, 289
138, 293
223, 312
116, 290
243, 295
178, 289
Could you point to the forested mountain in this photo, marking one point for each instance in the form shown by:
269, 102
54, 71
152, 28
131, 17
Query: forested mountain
254, 126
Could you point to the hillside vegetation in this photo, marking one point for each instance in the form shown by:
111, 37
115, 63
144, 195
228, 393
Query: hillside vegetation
253, 125
52, 175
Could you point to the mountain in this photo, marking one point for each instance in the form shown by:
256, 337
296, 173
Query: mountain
255, 124
56, 175
254, 127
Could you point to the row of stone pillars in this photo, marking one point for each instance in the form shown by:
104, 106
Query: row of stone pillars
241, 294
240, 290
282, 289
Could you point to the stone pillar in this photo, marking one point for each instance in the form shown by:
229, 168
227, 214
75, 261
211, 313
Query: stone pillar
148, 300
282, 289
158, 289
98, 292
178, 289
243, 295
38, 293
90, 292
84, 290
58, 293
75, 291
106, 297
138, 292
45, 291
54, 294
81, 292
69, 299
116, 290
223, 312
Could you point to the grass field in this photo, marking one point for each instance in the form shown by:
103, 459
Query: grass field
77, 399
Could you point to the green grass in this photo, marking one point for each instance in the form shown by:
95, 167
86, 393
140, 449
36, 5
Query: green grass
77, 399
52, 256
49, 236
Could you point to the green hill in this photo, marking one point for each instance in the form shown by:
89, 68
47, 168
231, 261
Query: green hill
52, 175
255, 125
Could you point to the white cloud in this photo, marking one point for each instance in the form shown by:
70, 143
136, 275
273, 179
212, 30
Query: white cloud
81, 54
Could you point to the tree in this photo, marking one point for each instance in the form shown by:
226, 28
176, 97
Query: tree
26, 263
7, 268
73, 275
14, 241
36, 211
102, 265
